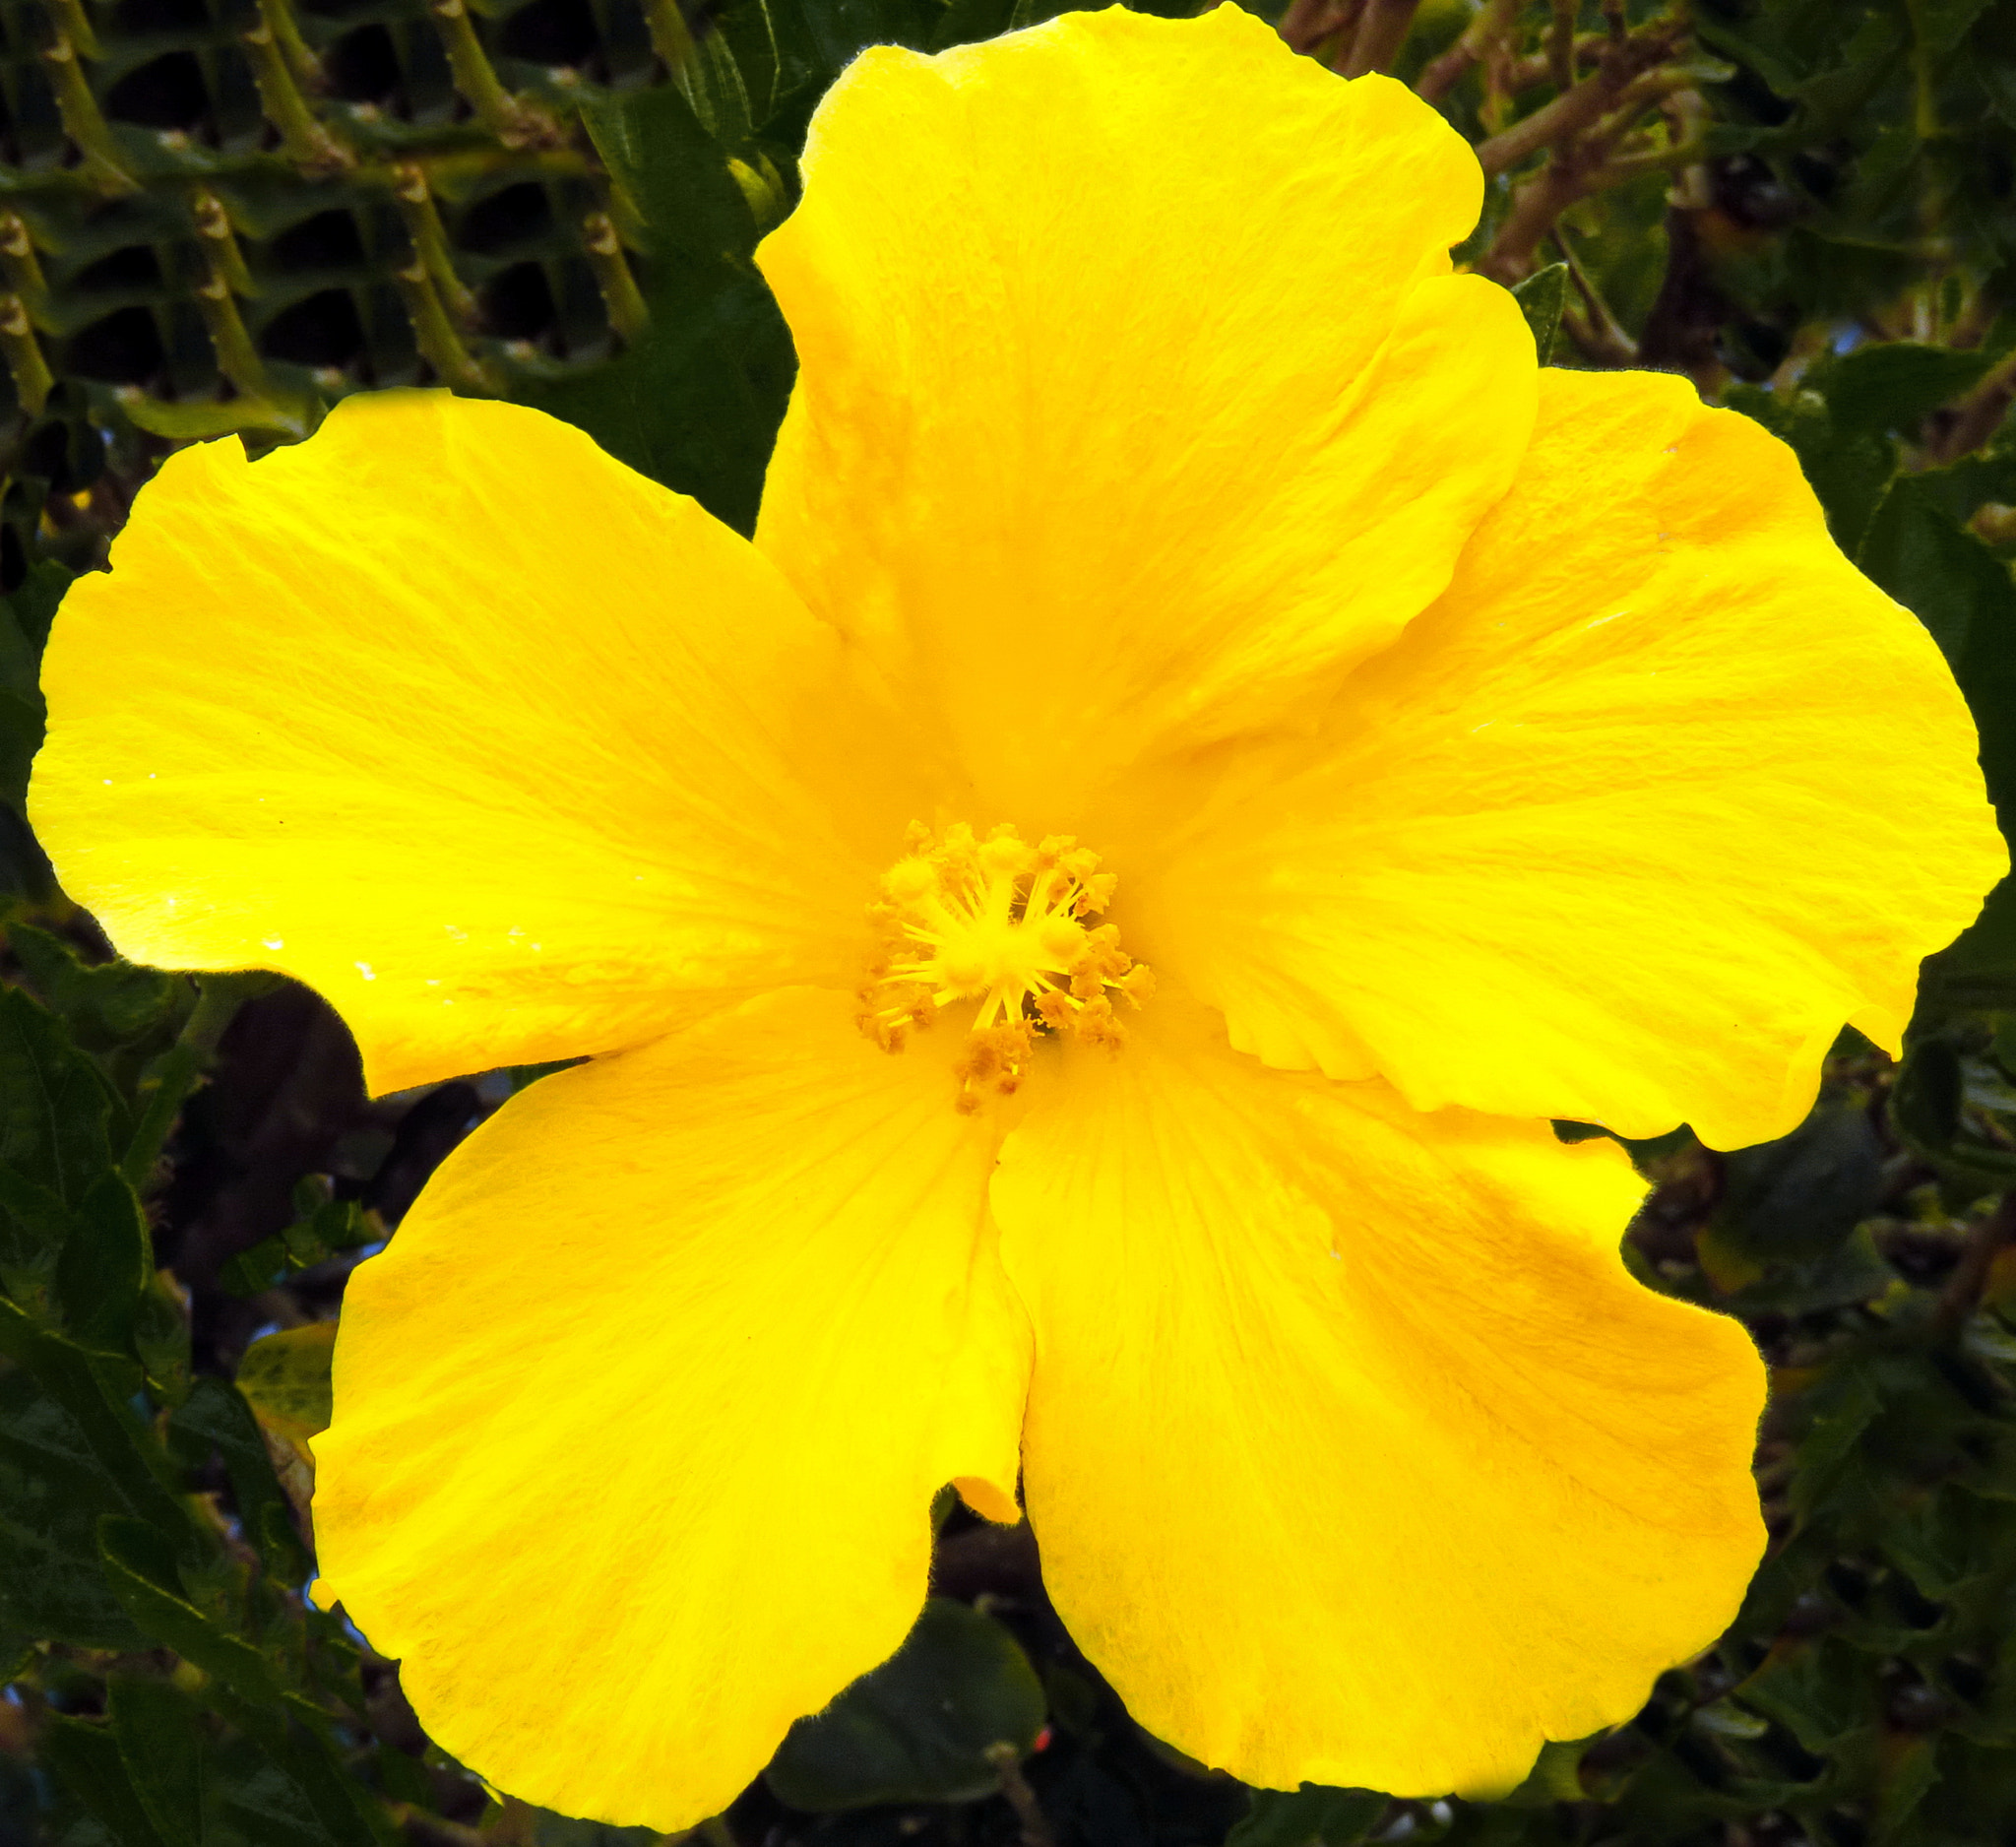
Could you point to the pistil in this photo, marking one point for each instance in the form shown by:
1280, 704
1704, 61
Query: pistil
1008, 926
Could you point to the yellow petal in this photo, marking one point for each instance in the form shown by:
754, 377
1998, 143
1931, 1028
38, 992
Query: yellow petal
1135, 402
1657, 797
462, 723
639, 1418
1353, 1453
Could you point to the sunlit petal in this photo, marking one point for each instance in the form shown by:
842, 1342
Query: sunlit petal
639, 1418
1354, 1454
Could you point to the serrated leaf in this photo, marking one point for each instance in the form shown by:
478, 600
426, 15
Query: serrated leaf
84, 1434
140, 1566
921, 1727
54, 1101
106, 1265
283, 1787
160, 1743
117, 1000
215, 1416
86, 1758
50, 1583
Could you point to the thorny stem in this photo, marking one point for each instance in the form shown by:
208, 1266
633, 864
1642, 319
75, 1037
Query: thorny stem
236, 356
515, 123
440, 345
214, 226
73, 22
303, 138
29, 370
628, 314
82, 121
279, 21
422, 220
24, 268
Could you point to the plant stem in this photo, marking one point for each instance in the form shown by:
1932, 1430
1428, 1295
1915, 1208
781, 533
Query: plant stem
179, 1070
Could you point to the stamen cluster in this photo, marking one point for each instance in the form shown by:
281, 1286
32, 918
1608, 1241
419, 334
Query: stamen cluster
1004, 923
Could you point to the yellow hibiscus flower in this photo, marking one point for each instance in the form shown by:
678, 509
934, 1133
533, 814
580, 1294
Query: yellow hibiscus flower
1166, 561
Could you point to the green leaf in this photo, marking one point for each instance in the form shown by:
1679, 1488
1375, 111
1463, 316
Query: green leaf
54, 1101
1908, 1778
1805, 1192
84, 1434
285, 1378
1838, 1412
25, 620
87, 1759
1847, 471
50, 1583
1542, 296
921, 1727
160, 1743
259, 1268
709, 80
559, 1830
160, 1336
214, 1417
1978, 971
696, 400
118, 1000
140, 1566
1814, 1690
1891, 388
34, 1226
283, 1784
107, 1265
1963, 593
1311, 1816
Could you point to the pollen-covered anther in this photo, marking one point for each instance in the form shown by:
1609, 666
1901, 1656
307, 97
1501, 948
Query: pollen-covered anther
1003, 923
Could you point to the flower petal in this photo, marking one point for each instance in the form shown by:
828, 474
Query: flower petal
1354, 1454
1657, 797
462, 723
1135, 401
639, 1418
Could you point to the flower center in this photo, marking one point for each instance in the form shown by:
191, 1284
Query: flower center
1004, 923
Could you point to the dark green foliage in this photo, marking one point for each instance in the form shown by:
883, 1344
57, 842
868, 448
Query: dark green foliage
1542, 298
938, 1722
